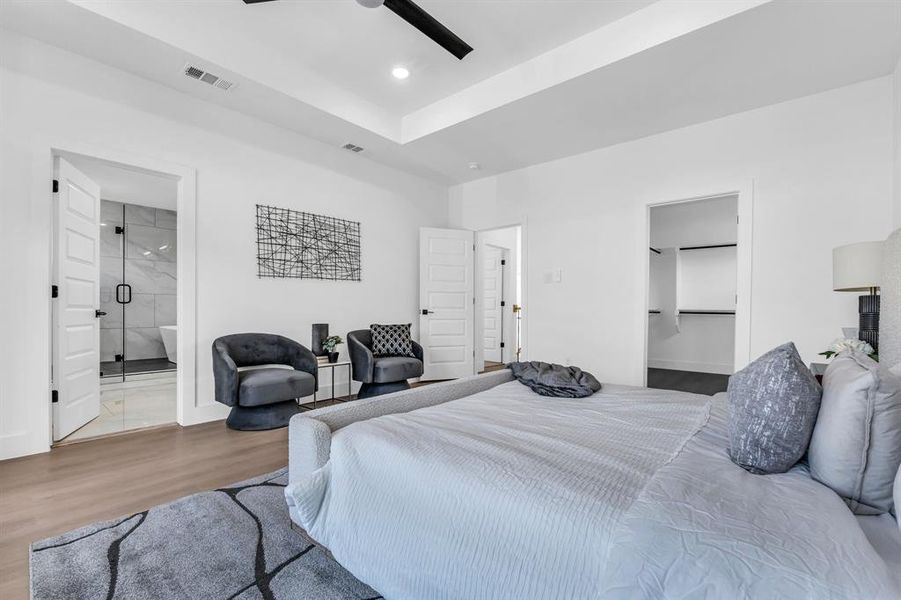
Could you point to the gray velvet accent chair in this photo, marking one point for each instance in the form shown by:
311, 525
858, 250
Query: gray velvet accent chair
263, 398
380, 374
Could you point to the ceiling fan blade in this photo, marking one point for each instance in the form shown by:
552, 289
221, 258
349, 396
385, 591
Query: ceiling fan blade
427, 24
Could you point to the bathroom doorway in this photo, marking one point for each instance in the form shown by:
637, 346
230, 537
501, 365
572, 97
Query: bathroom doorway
135, 328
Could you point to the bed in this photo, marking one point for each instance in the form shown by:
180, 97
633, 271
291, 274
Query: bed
479, 488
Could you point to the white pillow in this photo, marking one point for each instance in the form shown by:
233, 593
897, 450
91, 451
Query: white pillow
897, 507
855, 448
896, 370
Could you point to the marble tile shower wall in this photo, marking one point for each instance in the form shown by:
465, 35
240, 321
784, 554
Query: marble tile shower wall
149, 247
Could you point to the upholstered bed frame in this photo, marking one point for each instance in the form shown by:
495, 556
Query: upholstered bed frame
310, 433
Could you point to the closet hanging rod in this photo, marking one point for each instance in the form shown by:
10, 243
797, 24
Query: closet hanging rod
708, 247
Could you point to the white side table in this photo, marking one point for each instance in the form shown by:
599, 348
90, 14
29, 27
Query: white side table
332, 367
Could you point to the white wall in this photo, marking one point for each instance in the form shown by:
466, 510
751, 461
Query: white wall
47, 93
822, 176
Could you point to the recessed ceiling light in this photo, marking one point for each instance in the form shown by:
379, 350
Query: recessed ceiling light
400, 72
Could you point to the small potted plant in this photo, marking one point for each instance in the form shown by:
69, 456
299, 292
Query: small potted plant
329, 346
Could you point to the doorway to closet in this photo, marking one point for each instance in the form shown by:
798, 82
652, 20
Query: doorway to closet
692, 294
498, 303
115, 263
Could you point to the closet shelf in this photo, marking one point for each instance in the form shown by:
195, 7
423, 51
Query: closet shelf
682, 249
693, 311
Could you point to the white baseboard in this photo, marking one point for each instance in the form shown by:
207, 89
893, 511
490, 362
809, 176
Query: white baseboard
687, 365
205, 413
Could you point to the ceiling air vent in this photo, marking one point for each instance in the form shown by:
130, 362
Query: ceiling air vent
198, 73
352, 147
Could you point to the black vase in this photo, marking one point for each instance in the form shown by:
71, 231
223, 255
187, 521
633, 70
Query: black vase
333, 357
320, 332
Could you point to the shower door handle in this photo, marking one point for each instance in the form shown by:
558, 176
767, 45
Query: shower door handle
121, 298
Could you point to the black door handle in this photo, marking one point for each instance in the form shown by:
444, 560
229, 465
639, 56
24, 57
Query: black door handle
121, 298
426, 311
99, 313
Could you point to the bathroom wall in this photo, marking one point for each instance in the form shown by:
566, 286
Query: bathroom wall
150, 249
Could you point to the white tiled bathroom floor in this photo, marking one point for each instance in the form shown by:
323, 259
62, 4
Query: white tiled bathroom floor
144, 401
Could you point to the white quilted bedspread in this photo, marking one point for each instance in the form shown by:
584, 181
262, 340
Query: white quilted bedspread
505, 494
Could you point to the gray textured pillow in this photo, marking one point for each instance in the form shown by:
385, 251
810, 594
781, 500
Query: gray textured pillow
856, 444
773, 404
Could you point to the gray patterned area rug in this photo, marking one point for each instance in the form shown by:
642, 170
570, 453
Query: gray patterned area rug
231, 543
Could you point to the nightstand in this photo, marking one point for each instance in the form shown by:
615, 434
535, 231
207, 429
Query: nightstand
818, 369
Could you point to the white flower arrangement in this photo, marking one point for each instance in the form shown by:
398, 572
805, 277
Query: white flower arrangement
841, 344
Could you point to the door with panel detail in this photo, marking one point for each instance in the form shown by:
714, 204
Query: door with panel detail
492, 295
76, 328
446, 302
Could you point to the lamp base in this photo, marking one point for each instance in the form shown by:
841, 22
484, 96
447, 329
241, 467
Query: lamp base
868, 307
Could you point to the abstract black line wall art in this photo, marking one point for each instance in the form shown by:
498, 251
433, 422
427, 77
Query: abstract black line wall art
301, 245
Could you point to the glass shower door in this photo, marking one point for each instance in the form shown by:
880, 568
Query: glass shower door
112, 321
149, 287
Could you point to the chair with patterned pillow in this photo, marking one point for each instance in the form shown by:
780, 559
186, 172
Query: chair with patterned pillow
383, 358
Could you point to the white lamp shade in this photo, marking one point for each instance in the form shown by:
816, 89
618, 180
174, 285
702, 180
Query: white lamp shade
857, 267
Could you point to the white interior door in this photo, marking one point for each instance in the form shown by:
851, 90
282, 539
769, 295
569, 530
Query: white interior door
492, 294
446, 302
76, 328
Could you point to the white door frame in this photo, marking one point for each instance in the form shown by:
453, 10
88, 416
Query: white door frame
520, 267
745, 192
188, 411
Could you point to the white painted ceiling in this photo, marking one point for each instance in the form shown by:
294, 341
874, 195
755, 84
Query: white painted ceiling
129, 185
533, 91
355, 48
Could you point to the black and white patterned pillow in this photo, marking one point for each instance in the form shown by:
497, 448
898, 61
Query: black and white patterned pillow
391, 340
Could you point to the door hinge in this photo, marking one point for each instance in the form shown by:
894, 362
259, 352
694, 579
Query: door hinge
502, 344
119, 358
54, 396
55, 186
120, 230
503, 303
503, 262
54, 291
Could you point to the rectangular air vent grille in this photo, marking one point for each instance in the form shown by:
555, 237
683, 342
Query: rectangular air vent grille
198, 73
352, 147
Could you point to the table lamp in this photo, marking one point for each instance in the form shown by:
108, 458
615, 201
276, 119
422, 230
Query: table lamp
858, 268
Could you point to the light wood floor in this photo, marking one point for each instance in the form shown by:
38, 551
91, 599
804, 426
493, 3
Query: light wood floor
75, 485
